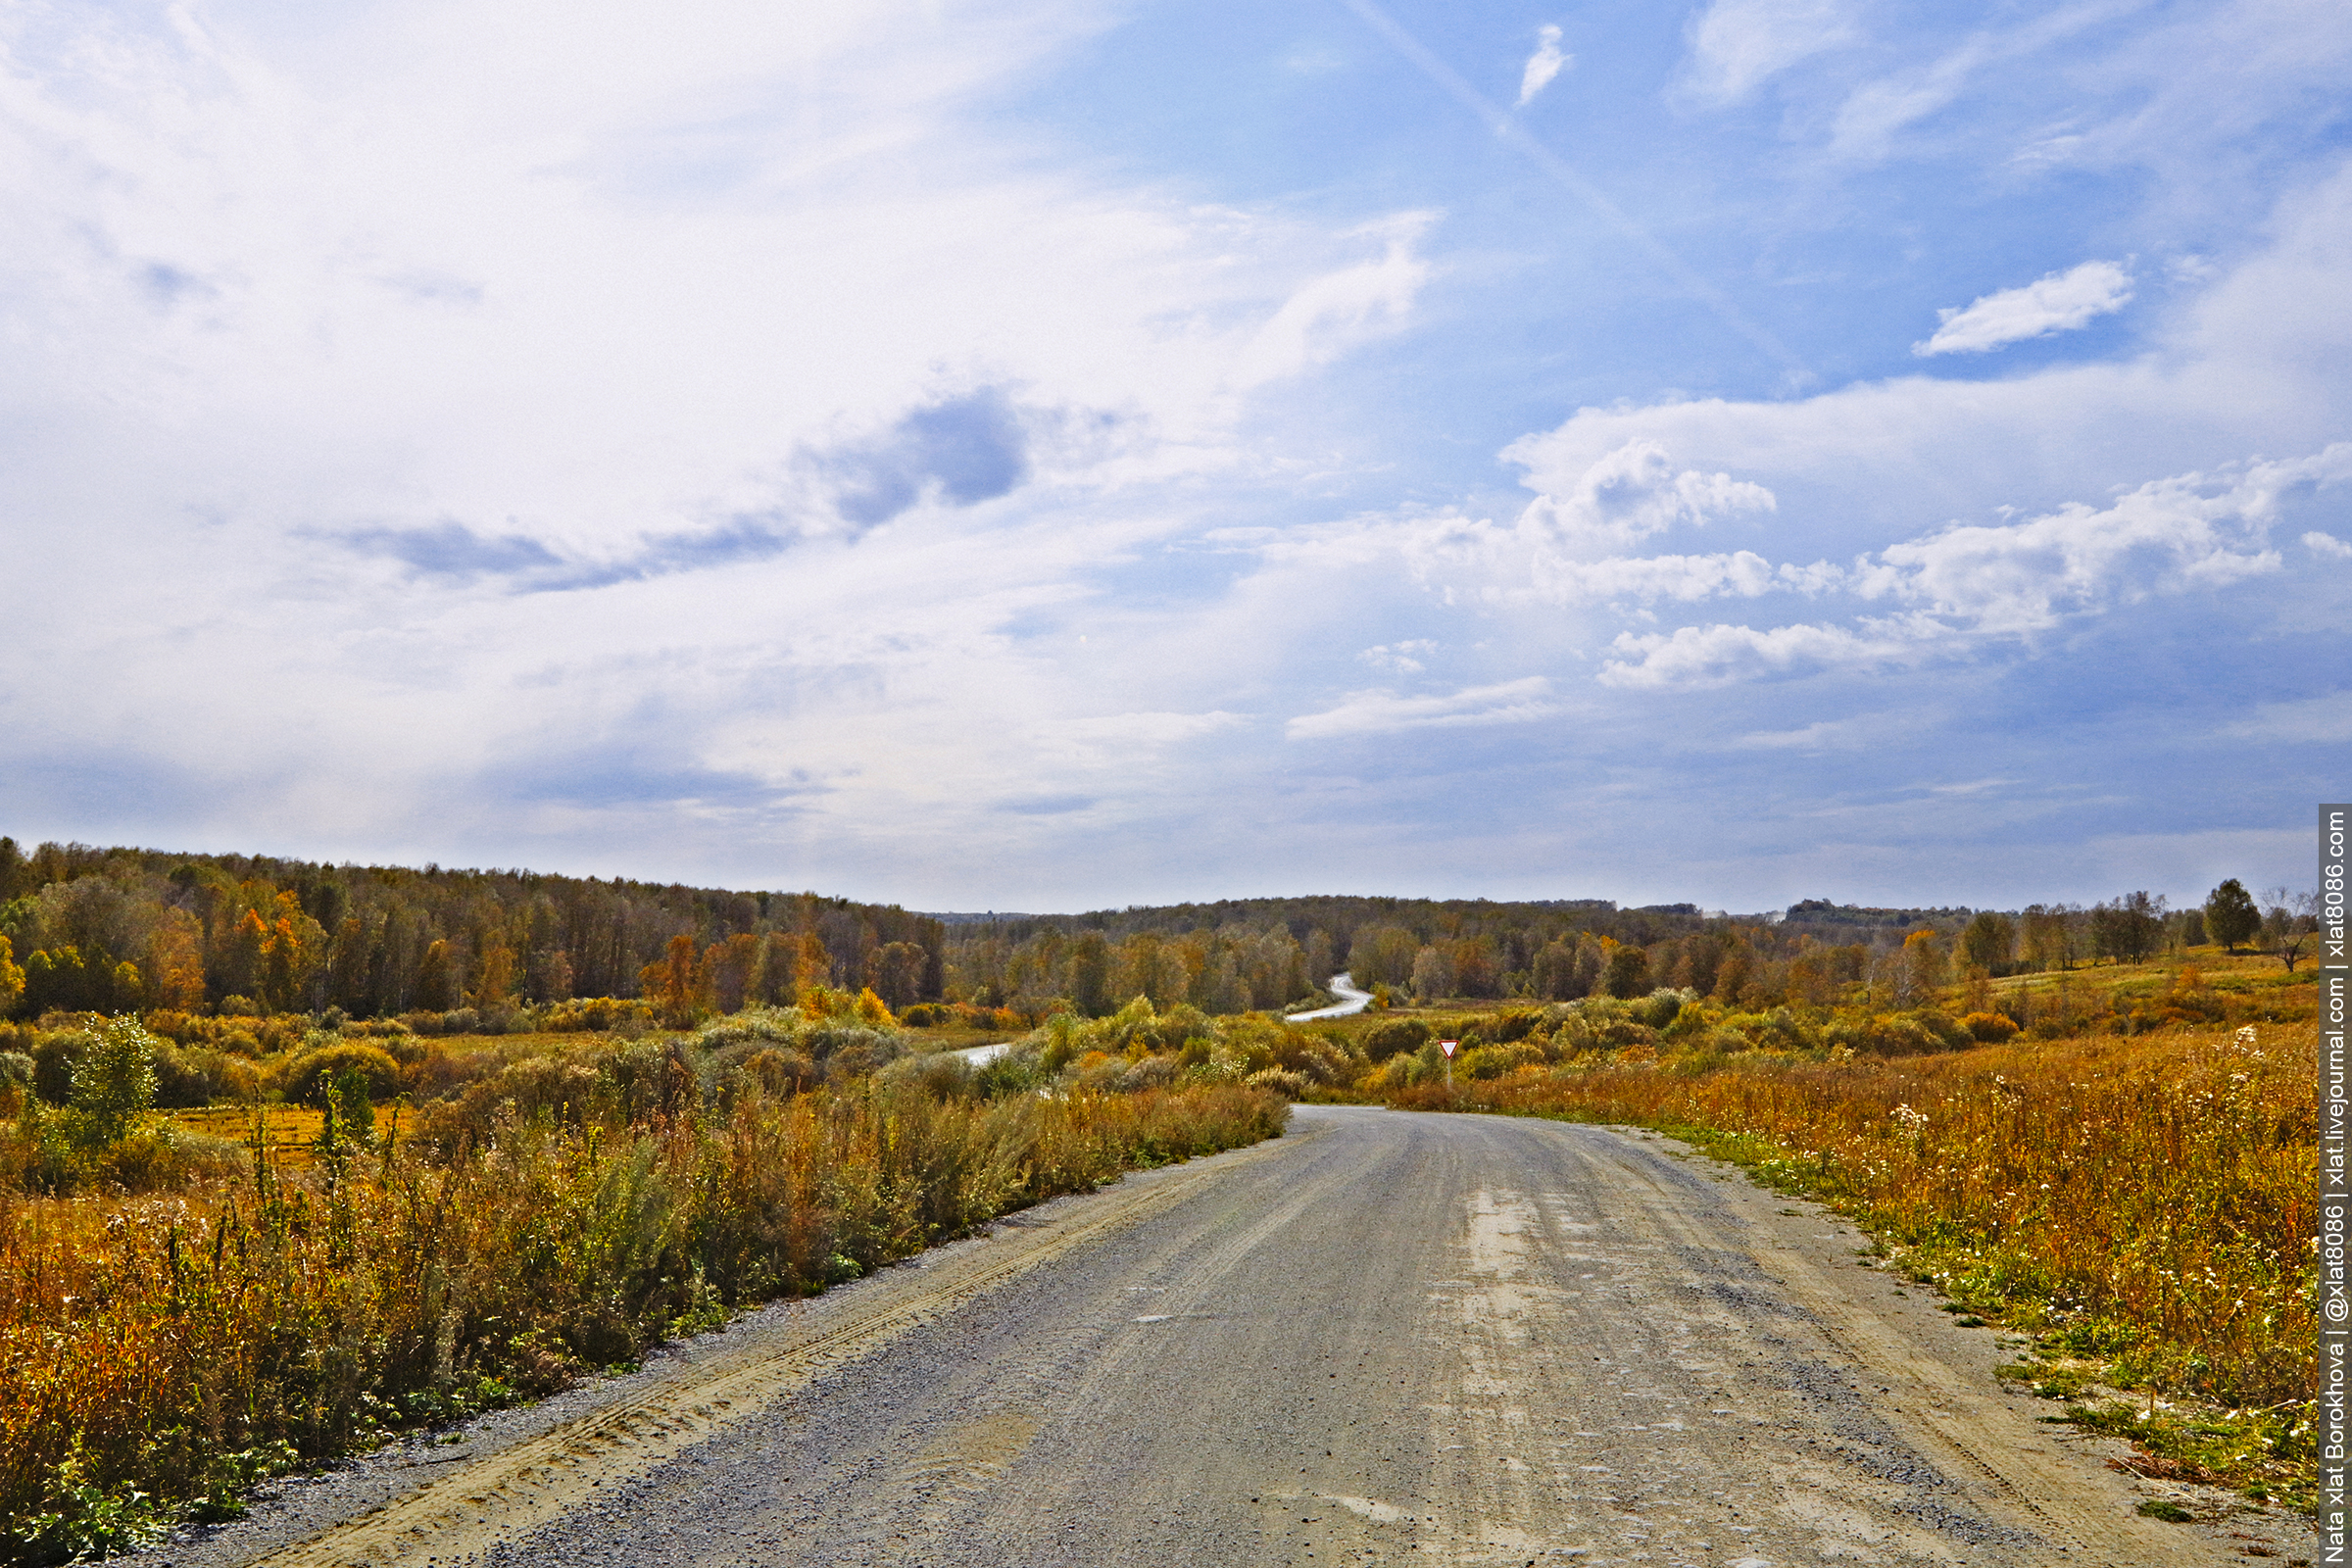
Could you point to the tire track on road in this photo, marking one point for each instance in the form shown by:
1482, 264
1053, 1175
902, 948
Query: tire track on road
507, 1493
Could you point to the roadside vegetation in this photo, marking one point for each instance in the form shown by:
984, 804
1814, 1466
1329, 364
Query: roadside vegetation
415, 1230
296, 1157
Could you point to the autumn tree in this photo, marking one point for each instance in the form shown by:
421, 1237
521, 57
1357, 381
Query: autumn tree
551, 975
2231, 916
2128, 929
1987, 941
1628, 972
1556, 973
12, 978
668, 981
1924, 968
2290, 919
1433, 972
2047, 933
893, 972
436, 978
493, 973
1381, 955
1090, 975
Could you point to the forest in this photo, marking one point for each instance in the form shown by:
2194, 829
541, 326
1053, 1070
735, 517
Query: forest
204, 936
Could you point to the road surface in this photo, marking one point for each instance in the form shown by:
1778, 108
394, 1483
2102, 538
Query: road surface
1385, 1338
1351, 1001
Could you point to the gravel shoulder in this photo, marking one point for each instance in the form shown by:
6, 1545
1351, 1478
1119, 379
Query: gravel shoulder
1383, 1337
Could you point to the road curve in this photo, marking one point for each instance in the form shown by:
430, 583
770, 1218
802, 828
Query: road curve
1385, 1337
1351, 1001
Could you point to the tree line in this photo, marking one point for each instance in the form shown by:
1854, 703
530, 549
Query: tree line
1267, 952
110, 930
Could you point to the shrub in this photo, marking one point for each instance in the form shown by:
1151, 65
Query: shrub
1988, 1028
307, 1077
114, 1080
1394, 1036
1280, 1080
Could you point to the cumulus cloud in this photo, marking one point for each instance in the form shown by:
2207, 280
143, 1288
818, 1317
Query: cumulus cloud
1965, 583
1376, 713
1543, 65
2326, 545
1735, 46
1634, 491
2168, 536
2057, 303
1717, 654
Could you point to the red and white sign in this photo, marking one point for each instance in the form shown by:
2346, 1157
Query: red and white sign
1447, 1046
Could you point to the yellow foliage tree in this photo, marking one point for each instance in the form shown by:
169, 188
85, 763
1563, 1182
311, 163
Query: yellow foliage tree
12, 978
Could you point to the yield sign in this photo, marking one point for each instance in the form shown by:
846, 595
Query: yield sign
1447, 1046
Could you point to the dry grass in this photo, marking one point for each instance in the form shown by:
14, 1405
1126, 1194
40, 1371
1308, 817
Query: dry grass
289, 1133
176, 1346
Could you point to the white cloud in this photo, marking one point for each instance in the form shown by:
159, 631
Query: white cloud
2057, 303
2251, 365
2313, 720
1718, 654
1400, 658
1329, 315
1376, 713
1862, 733
2326, 545
1634, 491
2168, 536
1965, 584
1543, 65
1735, 46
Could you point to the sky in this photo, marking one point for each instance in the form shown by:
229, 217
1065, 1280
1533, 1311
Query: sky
1052, 454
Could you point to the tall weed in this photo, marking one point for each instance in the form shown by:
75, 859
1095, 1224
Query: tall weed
156, 1345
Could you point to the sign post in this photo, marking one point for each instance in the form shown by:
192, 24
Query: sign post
1447, 1046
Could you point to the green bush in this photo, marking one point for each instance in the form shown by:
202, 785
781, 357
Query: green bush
1395, 1037
308, 1075
114, 1080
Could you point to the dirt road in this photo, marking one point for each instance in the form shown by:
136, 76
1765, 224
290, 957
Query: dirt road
1385, 1337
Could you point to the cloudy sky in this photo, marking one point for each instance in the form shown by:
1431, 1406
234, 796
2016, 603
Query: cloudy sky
1047, 454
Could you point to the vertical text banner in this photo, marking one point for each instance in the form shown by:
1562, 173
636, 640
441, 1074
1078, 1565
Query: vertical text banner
2335, 1197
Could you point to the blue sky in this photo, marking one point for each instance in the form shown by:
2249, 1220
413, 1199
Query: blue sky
1047, 455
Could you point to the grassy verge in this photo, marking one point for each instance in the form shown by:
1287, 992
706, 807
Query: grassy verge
2142, 1209
165, 1351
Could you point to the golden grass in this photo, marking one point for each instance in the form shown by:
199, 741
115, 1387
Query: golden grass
170, 1345
289, 1133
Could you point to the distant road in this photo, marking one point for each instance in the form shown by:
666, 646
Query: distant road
1351, 1001
1385, 1337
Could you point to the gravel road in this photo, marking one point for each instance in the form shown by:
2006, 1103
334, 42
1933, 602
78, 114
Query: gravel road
1385, 1338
